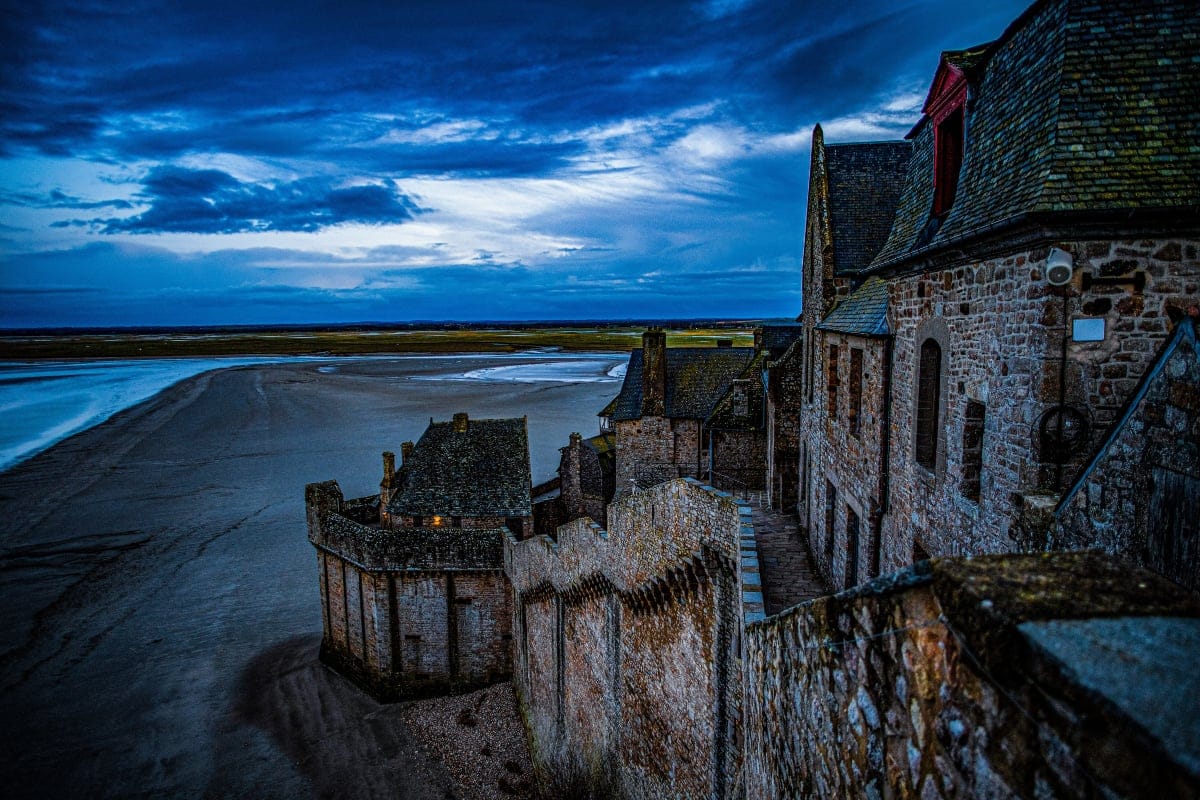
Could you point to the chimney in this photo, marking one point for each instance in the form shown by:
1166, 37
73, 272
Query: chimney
576, 438
406, 449
460, 422
758, 338
724, 342
389, 470
654, 373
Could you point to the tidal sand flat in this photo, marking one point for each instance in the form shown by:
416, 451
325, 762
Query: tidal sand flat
160, 597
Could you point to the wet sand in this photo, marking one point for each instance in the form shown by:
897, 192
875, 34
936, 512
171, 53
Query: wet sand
161, 615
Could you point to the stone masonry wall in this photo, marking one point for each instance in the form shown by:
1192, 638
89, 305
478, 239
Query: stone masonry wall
784, 395
626, 655
1134, 498
846, 460
645, 453
738, 459
412, 611
1001, 328
994, 677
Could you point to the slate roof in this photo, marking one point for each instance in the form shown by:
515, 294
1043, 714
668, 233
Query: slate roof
776, 339
865, 181
725, 415
697, 377
1080, 112
861, 313
483, 471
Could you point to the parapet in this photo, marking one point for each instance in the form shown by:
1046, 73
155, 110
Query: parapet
1052, 675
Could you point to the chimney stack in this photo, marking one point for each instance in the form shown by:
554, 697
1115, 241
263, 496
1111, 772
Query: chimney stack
654, 373
406, 449
389, 470
460, 422
758, 338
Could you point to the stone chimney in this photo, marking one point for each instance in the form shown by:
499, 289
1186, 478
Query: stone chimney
654, 373
758, 338
406, 449
461, 422
389, 471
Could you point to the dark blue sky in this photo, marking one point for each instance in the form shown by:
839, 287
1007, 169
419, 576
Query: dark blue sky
213, 162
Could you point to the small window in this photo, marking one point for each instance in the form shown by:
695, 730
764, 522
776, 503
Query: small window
854, 413
418, 521
852, 532
929, 387
972, 450
948, 155
456, 521
830, 517
831, 385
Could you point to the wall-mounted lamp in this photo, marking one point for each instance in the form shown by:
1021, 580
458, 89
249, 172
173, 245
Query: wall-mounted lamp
1059, 267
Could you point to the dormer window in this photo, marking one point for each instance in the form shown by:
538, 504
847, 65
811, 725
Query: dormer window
944, 108
947, 160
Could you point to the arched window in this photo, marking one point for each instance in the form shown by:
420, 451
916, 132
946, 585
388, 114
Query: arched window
929, 383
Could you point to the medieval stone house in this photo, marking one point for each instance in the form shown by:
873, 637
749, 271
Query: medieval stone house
966, 358
414, 598
689, 412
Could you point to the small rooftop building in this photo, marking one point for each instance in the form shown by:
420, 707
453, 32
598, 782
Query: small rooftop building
413, 594
466, 474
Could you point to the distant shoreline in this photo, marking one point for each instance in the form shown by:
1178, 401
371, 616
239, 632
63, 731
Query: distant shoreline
339, 341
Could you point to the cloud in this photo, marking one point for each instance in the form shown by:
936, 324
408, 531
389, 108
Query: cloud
57, 198
211, 201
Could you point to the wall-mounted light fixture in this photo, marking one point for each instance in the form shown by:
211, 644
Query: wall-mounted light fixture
1059, 267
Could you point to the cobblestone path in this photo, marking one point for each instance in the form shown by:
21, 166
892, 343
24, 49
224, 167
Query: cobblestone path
787, 574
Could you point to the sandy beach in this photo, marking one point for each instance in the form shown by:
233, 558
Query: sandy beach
160, 597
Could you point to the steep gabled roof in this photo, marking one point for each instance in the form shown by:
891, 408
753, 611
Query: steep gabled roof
1081, 113
864, 181
696, 379
729, 414
776, 339
862, 313
480, 471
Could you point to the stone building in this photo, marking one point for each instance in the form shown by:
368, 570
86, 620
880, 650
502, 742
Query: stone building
966, 358
688, 412
583, 487
780, 345
414, 599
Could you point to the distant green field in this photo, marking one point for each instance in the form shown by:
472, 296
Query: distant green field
343, 342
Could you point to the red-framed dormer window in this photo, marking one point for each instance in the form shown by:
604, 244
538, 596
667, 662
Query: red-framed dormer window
947, 160
944, 107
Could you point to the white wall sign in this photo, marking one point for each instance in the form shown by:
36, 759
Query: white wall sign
1088, 330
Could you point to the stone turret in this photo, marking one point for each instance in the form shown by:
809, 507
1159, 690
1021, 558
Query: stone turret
654, 373
461, 422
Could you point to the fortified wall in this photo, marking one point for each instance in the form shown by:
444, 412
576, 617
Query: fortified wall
627, 642
408, 611
1065, 675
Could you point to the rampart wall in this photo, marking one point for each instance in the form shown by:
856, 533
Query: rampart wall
1001, 676
627, 644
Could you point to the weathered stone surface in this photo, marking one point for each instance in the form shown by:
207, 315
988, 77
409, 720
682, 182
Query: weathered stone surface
626, 664
934, 682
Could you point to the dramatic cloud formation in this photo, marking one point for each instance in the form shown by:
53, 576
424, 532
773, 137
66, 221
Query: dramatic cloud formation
211, 201
300, 161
